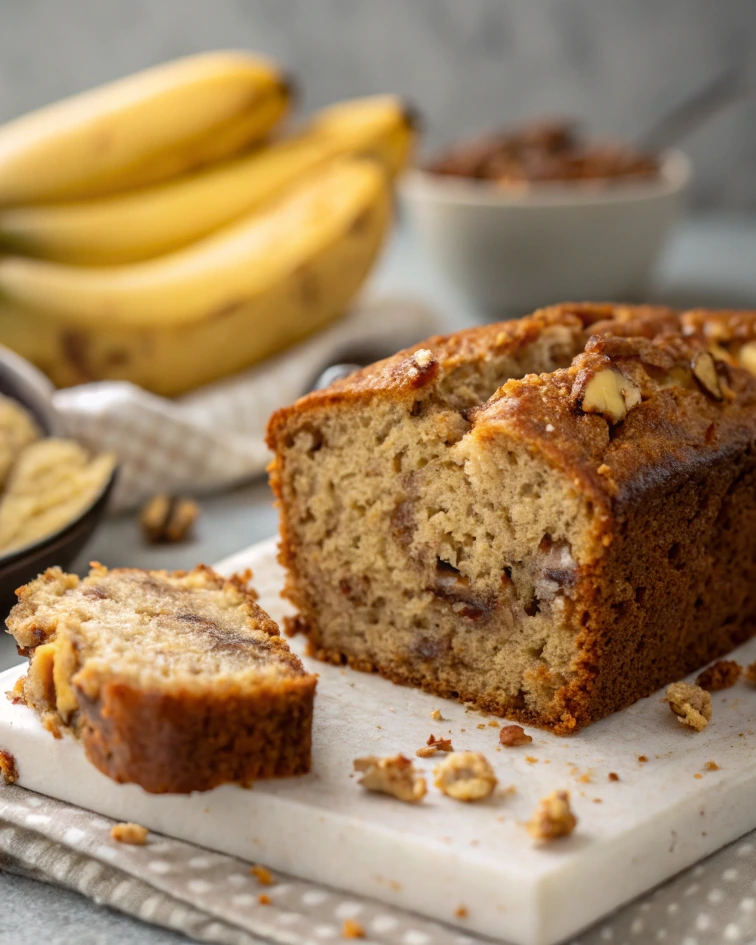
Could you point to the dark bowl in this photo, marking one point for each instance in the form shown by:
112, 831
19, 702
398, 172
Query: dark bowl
22, 382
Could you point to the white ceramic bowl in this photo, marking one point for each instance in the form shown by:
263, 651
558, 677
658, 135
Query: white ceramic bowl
509, 252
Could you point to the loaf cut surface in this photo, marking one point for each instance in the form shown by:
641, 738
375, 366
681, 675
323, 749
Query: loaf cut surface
177, 681
549, 518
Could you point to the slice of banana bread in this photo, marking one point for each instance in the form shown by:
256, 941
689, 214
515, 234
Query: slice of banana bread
176, 681
549, 518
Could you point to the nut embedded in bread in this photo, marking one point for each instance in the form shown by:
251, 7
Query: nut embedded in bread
536, 516
177, 681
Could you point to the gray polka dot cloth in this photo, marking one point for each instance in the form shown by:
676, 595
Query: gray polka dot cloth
214, 898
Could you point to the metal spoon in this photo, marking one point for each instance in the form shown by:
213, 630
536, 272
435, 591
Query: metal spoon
697, 109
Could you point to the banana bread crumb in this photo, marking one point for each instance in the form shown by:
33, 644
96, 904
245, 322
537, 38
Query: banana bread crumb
691, 704
8, 769
720, 675
133, 834
352, 929
262, 874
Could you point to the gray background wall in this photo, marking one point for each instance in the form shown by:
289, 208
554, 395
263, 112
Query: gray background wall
467, 63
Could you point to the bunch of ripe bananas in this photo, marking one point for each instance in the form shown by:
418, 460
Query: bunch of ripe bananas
156, 231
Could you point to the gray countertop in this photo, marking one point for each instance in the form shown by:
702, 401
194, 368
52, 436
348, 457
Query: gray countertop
710, 262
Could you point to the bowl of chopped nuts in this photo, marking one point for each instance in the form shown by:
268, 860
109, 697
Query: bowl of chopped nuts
518, 220
53, 491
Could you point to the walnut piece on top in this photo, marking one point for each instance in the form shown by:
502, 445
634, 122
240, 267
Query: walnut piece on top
553, 818
434, 745
691, 704
465, 776
513, 735
720, 675
396, 776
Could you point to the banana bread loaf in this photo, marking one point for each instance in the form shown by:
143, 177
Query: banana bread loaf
176, 681
549, 518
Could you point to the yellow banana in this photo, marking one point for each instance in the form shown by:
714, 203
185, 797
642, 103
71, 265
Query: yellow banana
214, 308
146, 223
140, 129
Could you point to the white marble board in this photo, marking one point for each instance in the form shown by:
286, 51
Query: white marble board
444, 859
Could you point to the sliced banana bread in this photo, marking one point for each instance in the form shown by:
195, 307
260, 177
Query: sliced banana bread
177, 681
549, 518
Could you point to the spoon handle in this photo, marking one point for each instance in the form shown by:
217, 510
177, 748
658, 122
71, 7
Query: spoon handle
697, 109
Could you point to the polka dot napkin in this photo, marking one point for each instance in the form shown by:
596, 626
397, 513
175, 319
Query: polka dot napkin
211, 897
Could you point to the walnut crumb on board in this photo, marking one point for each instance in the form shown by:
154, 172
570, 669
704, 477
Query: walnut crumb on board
262, 874
465, 776
511, 736
691, 704
613, 776
434, 745
8, 769
711, 766
642, 759
750, 673
264, 899
437, 717
461, 912
134, 834
553, 818
396, 776
720, 675
352, 929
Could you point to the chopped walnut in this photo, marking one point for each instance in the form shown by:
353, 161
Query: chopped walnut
262, 874
134, 834
167, 519
264, 900
396, 776
705, 372
352, 929
461, 912
437, 717
613, 776
465, 776
691, 704
8, 769
711, 766
609, 393
511, 736
720, 675
553, 818
750, 673
434, 745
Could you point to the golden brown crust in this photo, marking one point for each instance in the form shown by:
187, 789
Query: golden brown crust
674, 481
230, 702
183, 742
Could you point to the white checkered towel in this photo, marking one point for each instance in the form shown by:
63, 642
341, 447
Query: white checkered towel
213, 438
